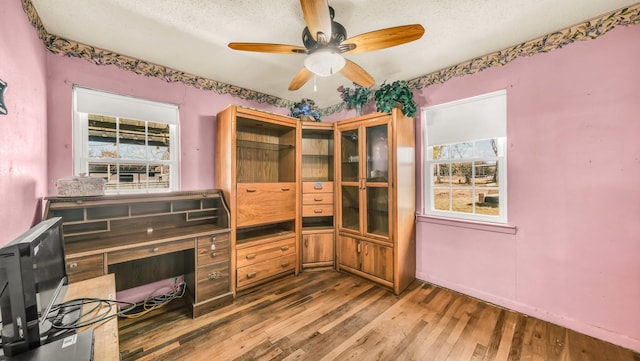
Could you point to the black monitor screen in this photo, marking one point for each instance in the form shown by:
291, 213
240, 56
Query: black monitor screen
48, 270
32, 279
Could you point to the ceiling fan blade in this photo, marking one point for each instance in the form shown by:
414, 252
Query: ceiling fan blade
356, 74
318, 19
384, 38
300, 79
268, 48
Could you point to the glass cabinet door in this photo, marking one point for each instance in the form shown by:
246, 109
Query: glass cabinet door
349, 156
377, 154
378, 211
377, 180
351, 207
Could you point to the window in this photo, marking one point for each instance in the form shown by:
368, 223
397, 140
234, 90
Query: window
465, 158
130, 142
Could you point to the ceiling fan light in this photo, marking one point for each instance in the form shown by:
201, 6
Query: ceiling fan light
324, 62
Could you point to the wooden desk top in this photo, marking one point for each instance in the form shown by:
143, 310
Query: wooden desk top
105, 334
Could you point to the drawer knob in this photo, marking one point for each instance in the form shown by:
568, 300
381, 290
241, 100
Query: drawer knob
317, 211
284, 248
318, 199
213, 276
251, 275
73, 265
285, 189
155, 249
251, 256
251, 190
317, 187
284, 264
213, 254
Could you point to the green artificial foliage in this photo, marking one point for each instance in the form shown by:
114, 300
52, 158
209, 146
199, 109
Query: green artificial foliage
358, 95
391, 94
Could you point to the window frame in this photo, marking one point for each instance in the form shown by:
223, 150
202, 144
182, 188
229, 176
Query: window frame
124, 107
498, 127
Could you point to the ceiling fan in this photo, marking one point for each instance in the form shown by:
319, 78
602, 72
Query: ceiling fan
324, 40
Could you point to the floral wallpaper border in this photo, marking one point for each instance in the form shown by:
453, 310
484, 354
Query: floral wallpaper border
587, 30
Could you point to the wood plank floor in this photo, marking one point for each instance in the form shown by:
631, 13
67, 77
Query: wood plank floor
332, 316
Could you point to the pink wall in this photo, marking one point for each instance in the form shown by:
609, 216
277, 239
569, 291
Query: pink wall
23, 133
574, 165
573, 192
197, 111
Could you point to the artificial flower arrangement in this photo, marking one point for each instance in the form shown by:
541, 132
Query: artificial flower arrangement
355, 97
305, 109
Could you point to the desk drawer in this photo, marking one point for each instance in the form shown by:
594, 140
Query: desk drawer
134, 253
255, 254
82, 268
317, 198
259, 271
317, 187
213, 280
317, 210
214, 248
260, 203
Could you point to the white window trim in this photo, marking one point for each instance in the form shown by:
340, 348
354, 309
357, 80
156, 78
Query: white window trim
87, 101
466, 114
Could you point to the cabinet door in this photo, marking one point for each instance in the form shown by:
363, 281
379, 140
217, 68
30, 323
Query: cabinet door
350, 155
349, 252
377, 180
377, 260
317, 247
260, 203
350, 207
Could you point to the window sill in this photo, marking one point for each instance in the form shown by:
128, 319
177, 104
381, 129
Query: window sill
462, 223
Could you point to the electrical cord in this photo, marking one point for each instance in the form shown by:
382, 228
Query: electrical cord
154, 302
103, 307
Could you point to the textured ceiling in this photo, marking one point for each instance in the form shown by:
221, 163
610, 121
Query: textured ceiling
192, 35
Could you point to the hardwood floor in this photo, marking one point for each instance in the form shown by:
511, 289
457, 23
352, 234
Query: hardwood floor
332, 316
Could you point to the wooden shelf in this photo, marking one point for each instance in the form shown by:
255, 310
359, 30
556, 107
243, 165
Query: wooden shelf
263, 145
257, 165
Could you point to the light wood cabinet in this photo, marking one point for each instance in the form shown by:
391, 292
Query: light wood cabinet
143, 238
318, 204
260, 260
318, 247
257, 166
367, 259
376, 198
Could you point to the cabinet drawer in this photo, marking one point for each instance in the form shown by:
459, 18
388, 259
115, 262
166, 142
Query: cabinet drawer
251, 255
317, 198
318, 210
82, 268
213, 280
149, 251
260, 203
214, 248
317, 187
259, 271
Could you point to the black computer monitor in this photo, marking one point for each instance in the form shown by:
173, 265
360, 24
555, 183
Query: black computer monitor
32, 279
